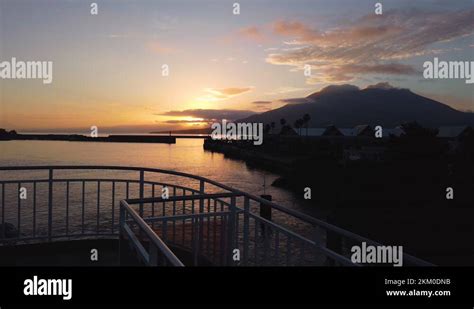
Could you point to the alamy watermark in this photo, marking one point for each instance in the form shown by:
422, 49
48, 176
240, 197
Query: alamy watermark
377, 254
17, 69
449, 70
48, 287
238, 131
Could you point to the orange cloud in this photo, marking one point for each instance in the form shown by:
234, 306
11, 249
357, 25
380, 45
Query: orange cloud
252, 33
213, 94
158, 48
210, 114
296, 29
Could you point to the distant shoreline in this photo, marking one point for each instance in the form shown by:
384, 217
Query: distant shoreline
83, 138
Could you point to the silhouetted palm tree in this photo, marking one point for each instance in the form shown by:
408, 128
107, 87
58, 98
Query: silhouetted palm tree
306, 119
298, 125
282, 121
267, 128
272, 124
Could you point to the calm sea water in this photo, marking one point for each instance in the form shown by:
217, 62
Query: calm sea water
187, 155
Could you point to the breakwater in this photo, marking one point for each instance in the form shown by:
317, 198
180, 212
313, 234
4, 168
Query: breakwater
84, 138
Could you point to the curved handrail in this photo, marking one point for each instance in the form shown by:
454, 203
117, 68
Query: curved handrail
294, 213
118, 180
169, 255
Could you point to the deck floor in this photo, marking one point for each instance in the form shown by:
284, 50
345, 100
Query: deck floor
61, 253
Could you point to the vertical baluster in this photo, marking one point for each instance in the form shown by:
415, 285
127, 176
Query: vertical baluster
153, 203
122, 244
127, 189
222, 241
50, 204
266, 242
196, 245
142, 190
34, 208
113, 205
214, 231
19, 210
98, 206
256, 240
246, 229
184, 203
201, 211
184, 220
184, 233
174, 214
165, 230
236, 233
237, 222
208, 238
164, 203
231, 228
83, 204
193, 236
3, 210
67, 207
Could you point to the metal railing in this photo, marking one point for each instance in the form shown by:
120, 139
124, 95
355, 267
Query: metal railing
158, 252
206, 222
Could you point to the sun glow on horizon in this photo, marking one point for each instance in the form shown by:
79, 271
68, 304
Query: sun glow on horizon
108, 71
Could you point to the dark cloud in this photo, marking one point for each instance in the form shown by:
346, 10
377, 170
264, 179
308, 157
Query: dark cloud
296, 100
382, 85
188, 121
388, 68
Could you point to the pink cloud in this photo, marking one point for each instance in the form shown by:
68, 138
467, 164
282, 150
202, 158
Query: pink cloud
370, 45
252, 33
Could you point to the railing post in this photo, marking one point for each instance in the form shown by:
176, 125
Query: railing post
231, 236
266, 213
142, 190
201, 219
2, 234
122, 245
246, 229
19, 210
195, 231
50, 204
201, 201
265, 209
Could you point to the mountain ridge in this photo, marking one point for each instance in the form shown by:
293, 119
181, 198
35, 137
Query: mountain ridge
381, 104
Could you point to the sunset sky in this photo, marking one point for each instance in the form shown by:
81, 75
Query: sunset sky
107, 68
